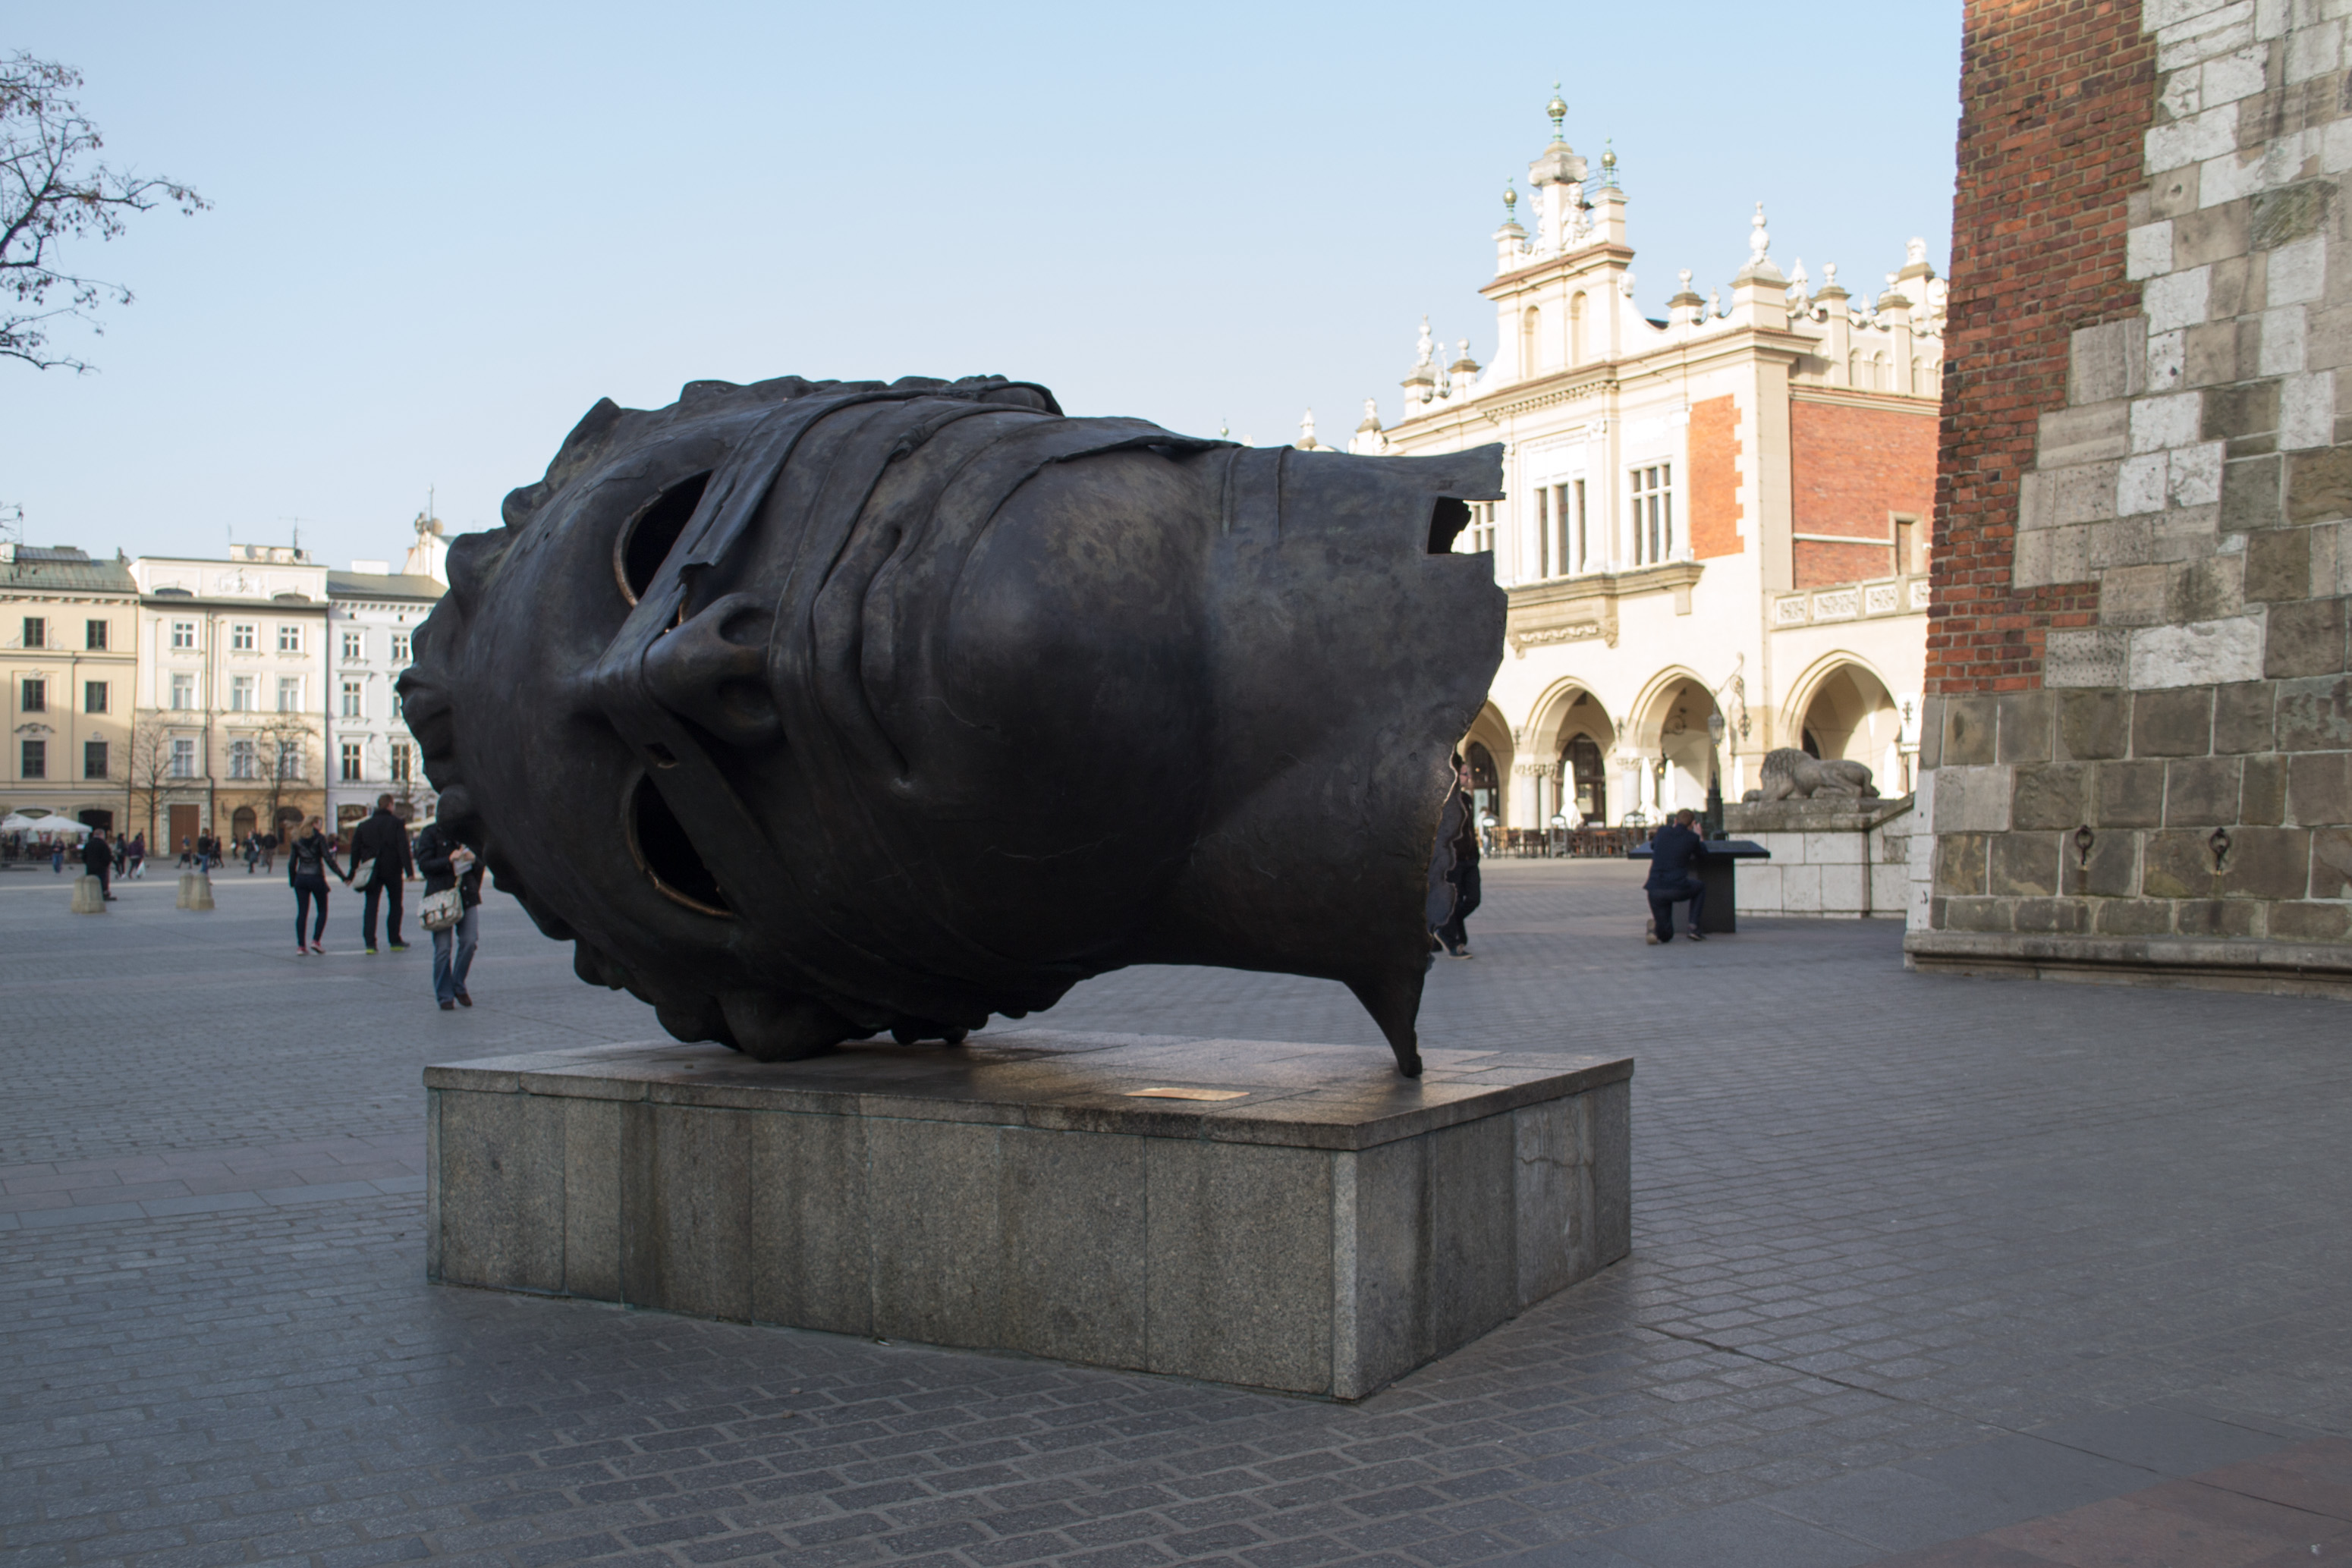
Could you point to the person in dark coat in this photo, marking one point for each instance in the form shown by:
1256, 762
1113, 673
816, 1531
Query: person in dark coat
1454, 934
98, 859
1675, 854
383, 840
446, 864
309, 861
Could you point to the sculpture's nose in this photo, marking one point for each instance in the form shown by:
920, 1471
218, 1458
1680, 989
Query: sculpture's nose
711, 669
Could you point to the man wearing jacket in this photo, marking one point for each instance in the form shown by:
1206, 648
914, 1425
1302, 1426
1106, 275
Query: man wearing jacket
382, 839
98, 859
1674, 852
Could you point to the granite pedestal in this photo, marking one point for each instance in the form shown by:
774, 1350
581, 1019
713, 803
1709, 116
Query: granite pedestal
1276, 1215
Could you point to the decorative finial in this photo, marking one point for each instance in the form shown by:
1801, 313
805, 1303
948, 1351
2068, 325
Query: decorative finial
1797, 279
1760, 238
1915, 253
1307, 429
1427, 346
1511, 200
1714, 302
1558, 110
1829, 275
1685, 276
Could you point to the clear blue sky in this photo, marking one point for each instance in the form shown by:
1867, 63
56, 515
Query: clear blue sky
442, 232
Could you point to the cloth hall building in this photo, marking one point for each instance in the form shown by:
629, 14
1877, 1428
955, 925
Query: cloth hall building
1724, 511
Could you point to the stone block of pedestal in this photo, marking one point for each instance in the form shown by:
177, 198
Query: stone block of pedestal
196, 891
89, 897
1269, 1214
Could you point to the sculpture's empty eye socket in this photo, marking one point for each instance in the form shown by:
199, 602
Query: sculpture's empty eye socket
664, 853
650, 534
1447, 519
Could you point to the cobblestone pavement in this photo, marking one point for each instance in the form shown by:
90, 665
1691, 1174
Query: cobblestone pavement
1916, 1257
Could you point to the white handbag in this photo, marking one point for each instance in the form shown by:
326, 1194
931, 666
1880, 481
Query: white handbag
444, 909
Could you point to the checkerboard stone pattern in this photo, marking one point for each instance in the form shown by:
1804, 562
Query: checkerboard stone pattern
1916, 1257
2140, 757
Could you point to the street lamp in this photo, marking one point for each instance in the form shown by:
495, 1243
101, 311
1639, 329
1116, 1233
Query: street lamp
1714, 777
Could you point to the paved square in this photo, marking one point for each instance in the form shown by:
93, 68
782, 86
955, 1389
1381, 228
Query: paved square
1916, 1258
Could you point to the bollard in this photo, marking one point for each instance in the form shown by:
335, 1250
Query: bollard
181, 900
200, 890
88, 897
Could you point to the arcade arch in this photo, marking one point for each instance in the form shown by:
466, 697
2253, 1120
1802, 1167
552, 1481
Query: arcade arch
1572, 736
1488, 750
1842, 708
1670, 735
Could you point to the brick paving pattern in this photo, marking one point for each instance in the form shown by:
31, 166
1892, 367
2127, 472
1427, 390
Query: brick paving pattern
1917, 1258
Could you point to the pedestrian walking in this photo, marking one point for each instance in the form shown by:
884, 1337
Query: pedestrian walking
98, 860
309, 860
252, 852
57, 856
138, 856
449, 866
187, 851
1674, 852
1454, 934
381, 864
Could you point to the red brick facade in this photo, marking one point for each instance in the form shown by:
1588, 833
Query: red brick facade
1715, 477
1852, 469
2054, 98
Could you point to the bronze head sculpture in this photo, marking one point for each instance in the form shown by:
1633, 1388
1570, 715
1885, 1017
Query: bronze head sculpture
810, 711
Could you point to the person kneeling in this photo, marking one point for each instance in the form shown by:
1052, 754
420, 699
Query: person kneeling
1675, 853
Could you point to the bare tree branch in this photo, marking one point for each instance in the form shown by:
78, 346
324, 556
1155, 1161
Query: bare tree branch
51, 192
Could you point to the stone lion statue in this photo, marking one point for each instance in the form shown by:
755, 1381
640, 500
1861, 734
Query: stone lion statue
1792, 775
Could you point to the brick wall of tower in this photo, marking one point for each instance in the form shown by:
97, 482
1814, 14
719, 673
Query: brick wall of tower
2054, 98
2137, 751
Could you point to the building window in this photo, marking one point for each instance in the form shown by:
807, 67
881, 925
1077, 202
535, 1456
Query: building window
1653, 489
1907, 558
36, 696
289, 639
352, 699
37, 632
184, 691
241, 637
351, 646
400, 647
240, 695
242, 761
36, 760
184, 759
289, 693
1583, 554
290, 759
403, 762
1543, 531
93, 636
93, 760
1480, 535
351, 773
183, 634
93, 696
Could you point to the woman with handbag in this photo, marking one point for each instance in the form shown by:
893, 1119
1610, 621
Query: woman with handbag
453, 893
307, 870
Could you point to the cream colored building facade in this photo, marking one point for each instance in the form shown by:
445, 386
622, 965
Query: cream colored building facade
232, 686
1726, 511
68, 626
